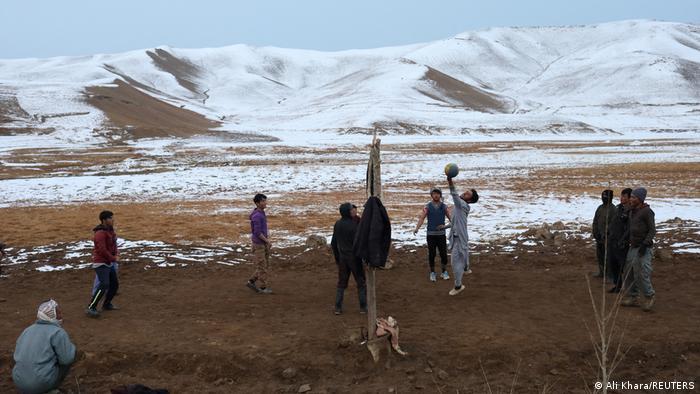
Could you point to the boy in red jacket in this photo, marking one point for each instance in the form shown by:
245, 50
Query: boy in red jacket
104, 254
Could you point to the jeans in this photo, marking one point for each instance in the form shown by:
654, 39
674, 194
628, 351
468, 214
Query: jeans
639, 277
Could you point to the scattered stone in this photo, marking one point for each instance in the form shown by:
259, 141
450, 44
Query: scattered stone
304, 388
442, 374
350, 337
289, 373
664, 255
316, 241
411, 370
559, 226
428, 370
544, 232
554, 371
392, 389
559, 239
431, 363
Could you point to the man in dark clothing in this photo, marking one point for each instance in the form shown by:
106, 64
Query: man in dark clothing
104, 254
642, 230
619, 240
342, 244
604, 215
436, 211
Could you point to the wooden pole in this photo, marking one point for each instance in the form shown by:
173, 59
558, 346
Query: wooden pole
374, 188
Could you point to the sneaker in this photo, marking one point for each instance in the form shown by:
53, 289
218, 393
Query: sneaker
433, 277
456, 291
109, 307
265, 290
337, 311
648, 303
363, 311
92, 313
251, 285
629, 301
445, 275
467, 272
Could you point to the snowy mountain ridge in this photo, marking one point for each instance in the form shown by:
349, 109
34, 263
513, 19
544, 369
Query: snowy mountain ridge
615, 77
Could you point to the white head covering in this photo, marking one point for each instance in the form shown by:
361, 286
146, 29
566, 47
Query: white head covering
47, 311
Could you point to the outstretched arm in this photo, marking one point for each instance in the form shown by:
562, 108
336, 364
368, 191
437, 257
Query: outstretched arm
456, 199
423, 214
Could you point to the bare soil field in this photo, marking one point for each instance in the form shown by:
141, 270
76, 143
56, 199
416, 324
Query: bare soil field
521, 326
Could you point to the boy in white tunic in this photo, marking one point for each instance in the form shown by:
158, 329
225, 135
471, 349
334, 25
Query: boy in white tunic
459, 236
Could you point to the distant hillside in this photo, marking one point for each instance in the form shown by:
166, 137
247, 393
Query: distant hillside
609, 78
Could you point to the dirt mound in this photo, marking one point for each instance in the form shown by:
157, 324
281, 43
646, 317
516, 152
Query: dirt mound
184, 71
145, 116
452, 91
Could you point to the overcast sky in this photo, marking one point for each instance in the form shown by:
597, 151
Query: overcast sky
43, 28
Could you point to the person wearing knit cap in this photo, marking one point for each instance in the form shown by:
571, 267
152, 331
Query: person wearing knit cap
642, 229
44, 352
604, 215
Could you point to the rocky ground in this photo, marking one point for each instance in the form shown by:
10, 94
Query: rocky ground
522, 325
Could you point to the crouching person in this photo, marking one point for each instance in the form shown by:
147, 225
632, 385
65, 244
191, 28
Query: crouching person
342, 244
44, 352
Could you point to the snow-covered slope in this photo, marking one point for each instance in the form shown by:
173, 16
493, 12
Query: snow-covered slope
623, 76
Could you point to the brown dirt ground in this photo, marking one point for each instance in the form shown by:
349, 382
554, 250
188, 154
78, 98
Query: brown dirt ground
520, 326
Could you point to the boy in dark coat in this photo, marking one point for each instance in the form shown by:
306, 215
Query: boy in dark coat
604, 215
342, 244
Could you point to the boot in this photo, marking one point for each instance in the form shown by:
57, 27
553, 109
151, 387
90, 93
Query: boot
339, 301
362, 295
630, 301
648, 303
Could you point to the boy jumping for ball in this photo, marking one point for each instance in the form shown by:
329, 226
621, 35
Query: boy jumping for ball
459, 237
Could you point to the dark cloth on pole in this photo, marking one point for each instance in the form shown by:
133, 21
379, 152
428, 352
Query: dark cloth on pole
373, 238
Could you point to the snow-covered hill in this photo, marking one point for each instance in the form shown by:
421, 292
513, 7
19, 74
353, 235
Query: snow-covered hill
615, 77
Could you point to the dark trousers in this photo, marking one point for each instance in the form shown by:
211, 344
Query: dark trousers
438, 242
109, 284
616, 266
347, 267
600, 255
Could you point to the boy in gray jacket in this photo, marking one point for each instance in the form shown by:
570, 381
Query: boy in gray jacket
44, 352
